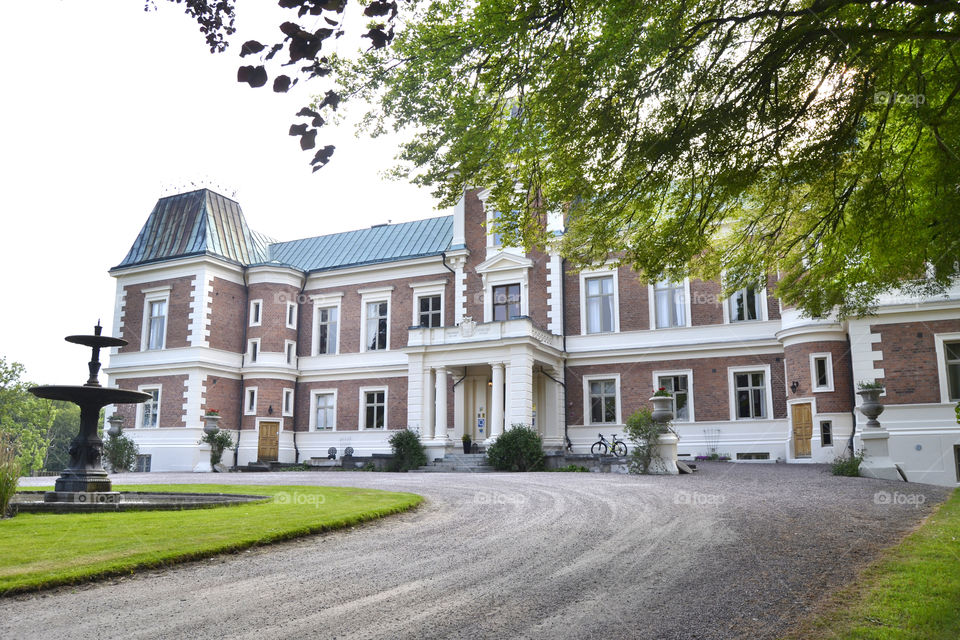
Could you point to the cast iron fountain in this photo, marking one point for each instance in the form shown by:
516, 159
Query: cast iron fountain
84, 485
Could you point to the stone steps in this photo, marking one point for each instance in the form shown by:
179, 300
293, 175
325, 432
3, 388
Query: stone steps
458, 463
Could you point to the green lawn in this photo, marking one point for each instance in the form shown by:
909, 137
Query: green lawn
41, 550
912, 592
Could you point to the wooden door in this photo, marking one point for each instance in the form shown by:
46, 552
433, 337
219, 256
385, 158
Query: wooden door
802, 418
268, 446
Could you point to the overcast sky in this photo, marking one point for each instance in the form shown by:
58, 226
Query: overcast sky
105, 109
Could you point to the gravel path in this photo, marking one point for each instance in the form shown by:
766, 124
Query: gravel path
735, 551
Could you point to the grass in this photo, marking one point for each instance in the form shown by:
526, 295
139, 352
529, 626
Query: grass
912, 592
44, 550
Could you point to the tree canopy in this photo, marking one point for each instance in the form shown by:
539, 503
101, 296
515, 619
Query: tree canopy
815, 139
26, 419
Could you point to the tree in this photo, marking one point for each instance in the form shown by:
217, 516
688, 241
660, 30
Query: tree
817, 139
66, 425
24, 418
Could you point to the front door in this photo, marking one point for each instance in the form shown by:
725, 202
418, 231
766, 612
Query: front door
268, 446
802, 429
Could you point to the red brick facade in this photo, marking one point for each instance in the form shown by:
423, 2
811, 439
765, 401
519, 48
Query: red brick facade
225, 395
909, 366
348, 402
798, 370
226, 315
178, 313
269, 400
172, 390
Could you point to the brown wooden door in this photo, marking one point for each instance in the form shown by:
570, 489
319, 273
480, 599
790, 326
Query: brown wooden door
268, 446
802, 429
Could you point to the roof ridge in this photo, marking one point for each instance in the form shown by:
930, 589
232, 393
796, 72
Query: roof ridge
375, 226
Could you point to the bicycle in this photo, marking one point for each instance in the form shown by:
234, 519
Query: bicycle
617, 447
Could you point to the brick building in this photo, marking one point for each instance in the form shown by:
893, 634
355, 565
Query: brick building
337, 340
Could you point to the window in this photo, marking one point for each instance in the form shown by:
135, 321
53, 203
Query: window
291, 315
743, 305
290, 348
751, 394
375, 409
600, 304
506, 302
256, 312
603, 401
952, 350
288, 402
324, 411
157, 324
327, 331
376, 325
496, 239
821, 371
250, 403
253, 349
430, 314
826, 433
670, 304
150, 410
678, 387
143, 463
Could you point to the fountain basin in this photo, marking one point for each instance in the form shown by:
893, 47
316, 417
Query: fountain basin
93, 396
113, 501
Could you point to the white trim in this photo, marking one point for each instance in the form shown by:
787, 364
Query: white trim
290, 357
428, 290
252, 356
156, 294
375, 290
294, 307
373, 296
599, 273
939, 341
259, 304
732, 391
363, 408
813, 372
146, 388
652, 306
555, 301
257, 422
247, 411
587, 418
288, 392
152, 291
313, 408
331, 301
678, 372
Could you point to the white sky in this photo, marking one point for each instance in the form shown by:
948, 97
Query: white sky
106, 108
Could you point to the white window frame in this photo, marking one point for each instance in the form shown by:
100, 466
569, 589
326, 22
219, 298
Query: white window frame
830, 423
652, 306
147, 388
363, 408
374, 295
678, 372
599, 273
314, 395
155, 294
587, 417
291, 307
761, 294
290, 352
256, 305
813, 372
427, 290
732, 390
247, 410
940, 340
284, 411
326, 301
253, 355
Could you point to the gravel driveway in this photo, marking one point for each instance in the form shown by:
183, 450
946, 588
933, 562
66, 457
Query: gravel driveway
734, 551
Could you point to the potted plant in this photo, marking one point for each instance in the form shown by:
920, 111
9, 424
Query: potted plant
662, 401
870, 406
466, 443
218, 441
211, 419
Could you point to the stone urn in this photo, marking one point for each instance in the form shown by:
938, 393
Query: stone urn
665, 452
211, 423
871, 406
116, 425
662, 410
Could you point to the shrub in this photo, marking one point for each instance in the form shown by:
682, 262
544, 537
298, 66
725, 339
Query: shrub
408, 452
219, 442
518, 449
847, 466
644, 432
120, 453
9, 472
572, 468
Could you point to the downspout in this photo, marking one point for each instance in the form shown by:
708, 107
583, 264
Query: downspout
296, 451
853, 395
443, 259
243, 357
563, 329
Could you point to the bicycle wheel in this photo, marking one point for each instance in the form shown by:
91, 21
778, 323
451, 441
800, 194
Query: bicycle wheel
599, 447
619, 449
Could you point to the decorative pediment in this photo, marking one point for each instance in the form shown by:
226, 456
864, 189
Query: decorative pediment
504, 261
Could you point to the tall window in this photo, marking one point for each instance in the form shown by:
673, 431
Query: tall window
250, 404
678, 387
158, 324
743, 305
670, 304
506, 302
256, 308
826, 433
291, 350
375, 410
150, 410
291, 315
376, 326
253, 348
325, 411
327, 331
603, 401
495, 237
751, 395
430, 311
599, 299
953, 369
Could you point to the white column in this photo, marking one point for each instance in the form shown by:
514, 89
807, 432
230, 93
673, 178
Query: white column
428, 403
460, 396
520, 387
553, 414
496, 402
441, 416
